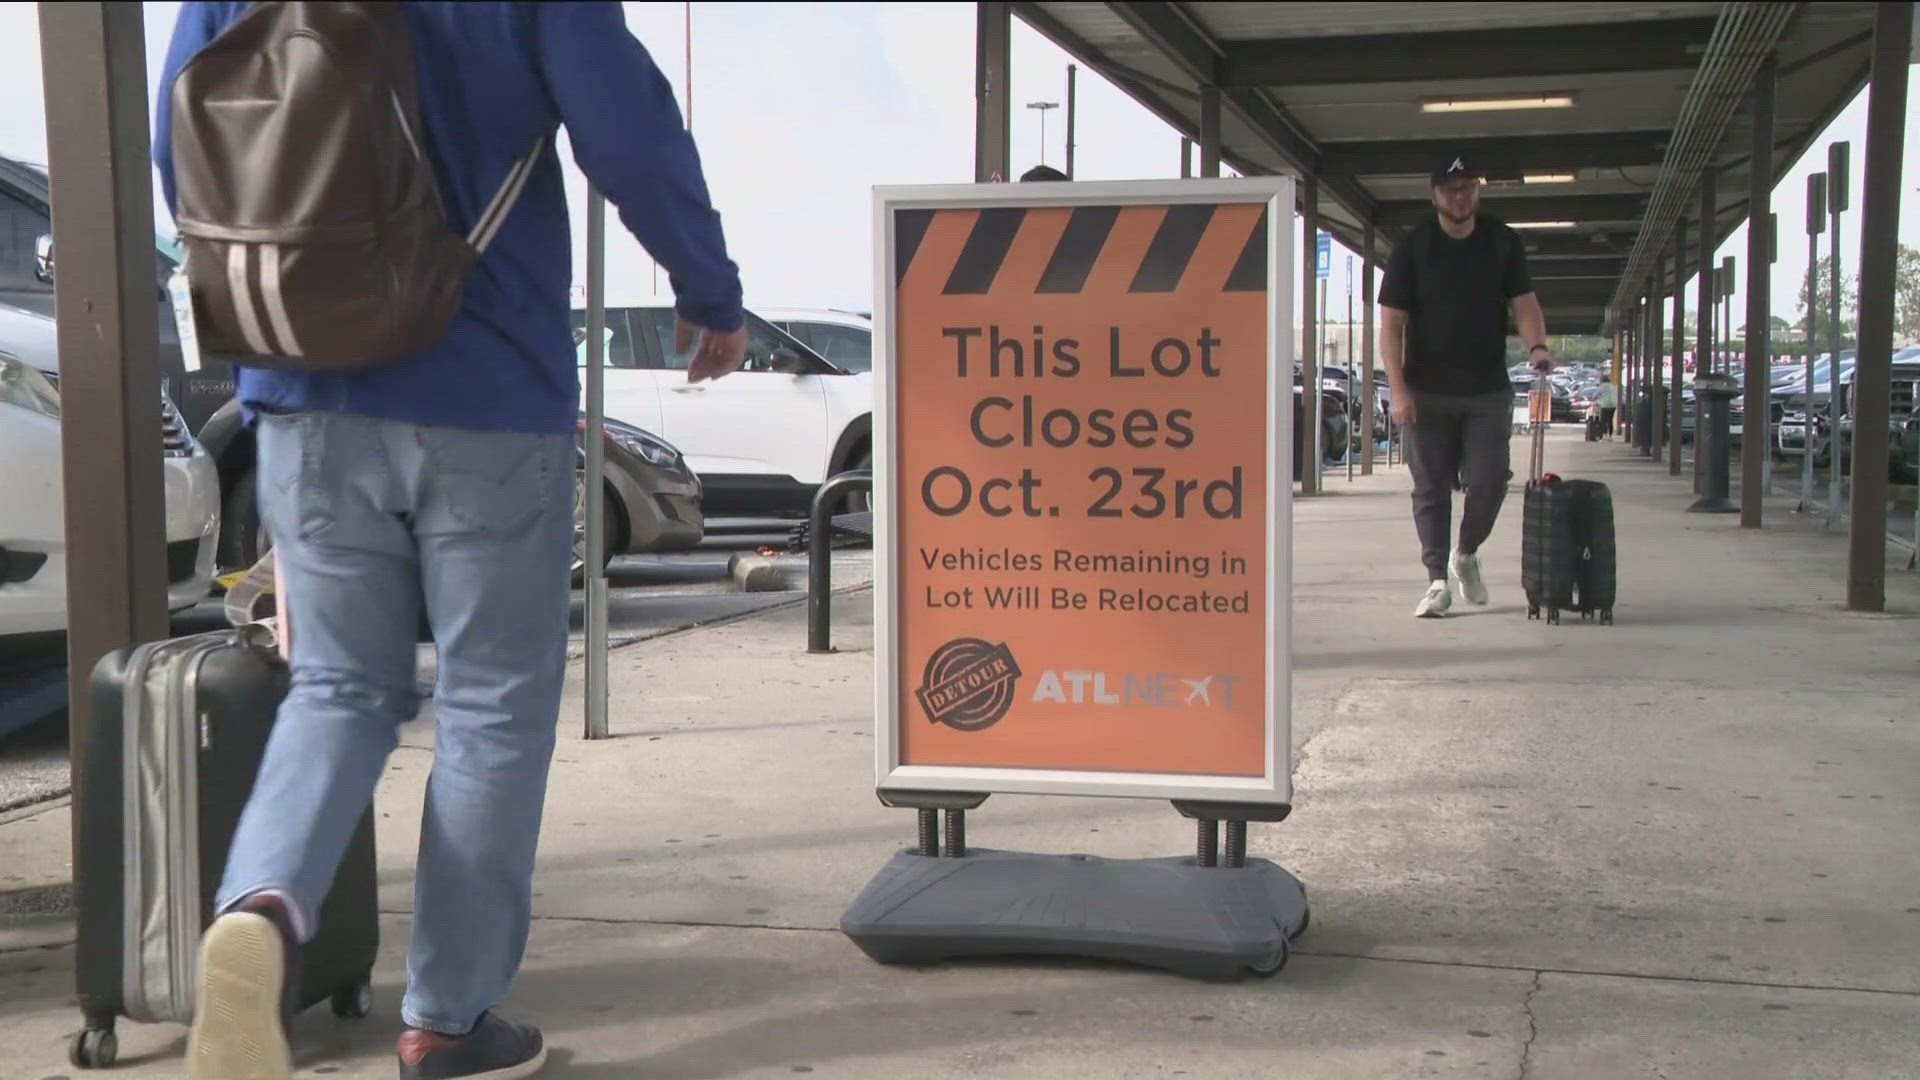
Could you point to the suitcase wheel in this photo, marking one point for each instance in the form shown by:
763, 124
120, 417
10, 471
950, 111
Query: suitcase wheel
354, 1001
1533, 611
1606, 616
1553, 616
93, 1048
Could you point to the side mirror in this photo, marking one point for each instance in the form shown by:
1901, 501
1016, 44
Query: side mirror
43, 258
787, 362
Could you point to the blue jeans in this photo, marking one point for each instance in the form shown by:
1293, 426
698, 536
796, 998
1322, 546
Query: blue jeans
372, 518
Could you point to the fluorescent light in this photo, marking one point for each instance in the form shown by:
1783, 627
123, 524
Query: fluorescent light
1541, 224
1497, 104
1548, 178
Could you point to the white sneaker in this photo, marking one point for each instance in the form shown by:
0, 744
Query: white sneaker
1434, 605
1463, 572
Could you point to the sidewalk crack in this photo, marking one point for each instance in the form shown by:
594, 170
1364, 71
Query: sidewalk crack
1533, 1026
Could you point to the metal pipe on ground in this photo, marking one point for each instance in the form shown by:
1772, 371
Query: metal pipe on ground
820, 554
594, 571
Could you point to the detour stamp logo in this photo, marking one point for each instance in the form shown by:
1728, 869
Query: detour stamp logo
968, 684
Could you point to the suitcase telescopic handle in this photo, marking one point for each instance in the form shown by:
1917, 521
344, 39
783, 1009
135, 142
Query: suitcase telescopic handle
1539, 412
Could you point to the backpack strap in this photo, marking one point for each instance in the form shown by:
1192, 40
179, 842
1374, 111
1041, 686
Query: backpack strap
503, 200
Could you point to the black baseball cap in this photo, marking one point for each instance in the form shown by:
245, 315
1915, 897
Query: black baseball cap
1454, 165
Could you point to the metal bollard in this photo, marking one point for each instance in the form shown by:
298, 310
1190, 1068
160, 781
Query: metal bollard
1713, 395
820, 554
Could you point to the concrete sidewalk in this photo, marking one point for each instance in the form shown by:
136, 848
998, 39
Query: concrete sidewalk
1679, 846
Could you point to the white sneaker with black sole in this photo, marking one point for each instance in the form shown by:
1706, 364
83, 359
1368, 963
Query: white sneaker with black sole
1434, 605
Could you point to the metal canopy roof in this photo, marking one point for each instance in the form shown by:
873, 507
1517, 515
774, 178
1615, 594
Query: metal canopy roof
1337, 89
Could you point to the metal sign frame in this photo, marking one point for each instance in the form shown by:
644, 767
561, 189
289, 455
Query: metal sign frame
1275, 785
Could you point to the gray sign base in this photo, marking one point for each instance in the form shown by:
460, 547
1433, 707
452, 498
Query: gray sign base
1205, 922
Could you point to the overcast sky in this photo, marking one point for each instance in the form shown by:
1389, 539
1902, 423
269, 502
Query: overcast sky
800, 109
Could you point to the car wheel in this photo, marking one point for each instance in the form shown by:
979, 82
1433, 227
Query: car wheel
243, 536
610, 526
860, 501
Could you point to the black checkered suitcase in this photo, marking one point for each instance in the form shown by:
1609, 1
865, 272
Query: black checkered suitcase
1567, 548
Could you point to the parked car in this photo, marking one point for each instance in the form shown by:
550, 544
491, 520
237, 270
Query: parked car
26, 281
762, 440
1791, 435
843, 338
652, 497
33, 565
1336, 413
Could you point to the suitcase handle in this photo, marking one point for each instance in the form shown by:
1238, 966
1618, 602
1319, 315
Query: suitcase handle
1539, 414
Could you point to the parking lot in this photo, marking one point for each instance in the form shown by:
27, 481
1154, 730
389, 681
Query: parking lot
648, 596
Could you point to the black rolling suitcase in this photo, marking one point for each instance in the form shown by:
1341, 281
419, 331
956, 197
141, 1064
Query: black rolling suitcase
1594, 428
1567, 556
180, 727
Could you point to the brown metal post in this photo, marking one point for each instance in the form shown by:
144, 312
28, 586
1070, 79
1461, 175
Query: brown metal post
1703, 311
1367, 404
1632, 371
1308, 444
1677, 368
1873, 364
1656, 377
992, 93
1755, 451
1210, 131
93, 64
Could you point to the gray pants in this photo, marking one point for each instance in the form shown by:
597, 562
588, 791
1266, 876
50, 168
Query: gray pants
1462, 441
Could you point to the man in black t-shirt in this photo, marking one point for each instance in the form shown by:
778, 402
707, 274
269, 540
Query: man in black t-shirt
1449, 289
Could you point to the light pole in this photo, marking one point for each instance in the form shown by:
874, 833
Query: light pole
1042, 107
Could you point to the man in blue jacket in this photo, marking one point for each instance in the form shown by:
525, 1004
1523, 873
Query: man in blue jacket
446, 479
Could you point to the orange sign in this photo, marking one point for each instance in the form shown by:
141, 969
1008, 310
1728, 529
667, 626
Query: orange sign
1080, 495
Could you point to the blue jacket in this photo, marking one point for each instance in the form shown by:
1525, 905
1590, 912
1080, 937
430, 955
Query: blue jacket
492, 78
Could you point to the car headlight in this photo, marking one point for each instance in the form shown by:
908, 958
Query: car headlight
651, 450
27, 387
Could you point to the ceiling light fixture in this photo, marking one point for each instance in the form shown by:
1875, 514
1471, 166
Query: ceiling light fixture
1496, 104
1541, 224
1549, 178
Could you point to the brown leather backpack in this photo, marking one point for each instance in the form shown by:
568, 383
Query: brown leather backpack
316, 237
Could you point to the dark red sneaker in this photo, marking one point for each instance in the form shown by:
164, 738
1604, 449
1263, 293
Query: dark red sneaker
495, 1049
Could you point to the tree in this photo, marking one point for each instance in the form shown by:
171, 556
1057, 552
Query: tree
1906, 298
1906, 294
1849, 300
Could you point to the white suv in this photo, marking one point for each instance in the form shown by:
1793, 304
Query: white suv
844, 338
763, 439
33, 564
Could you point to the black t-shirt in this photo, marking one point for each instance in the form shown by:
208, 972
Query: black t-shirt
1455, 294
